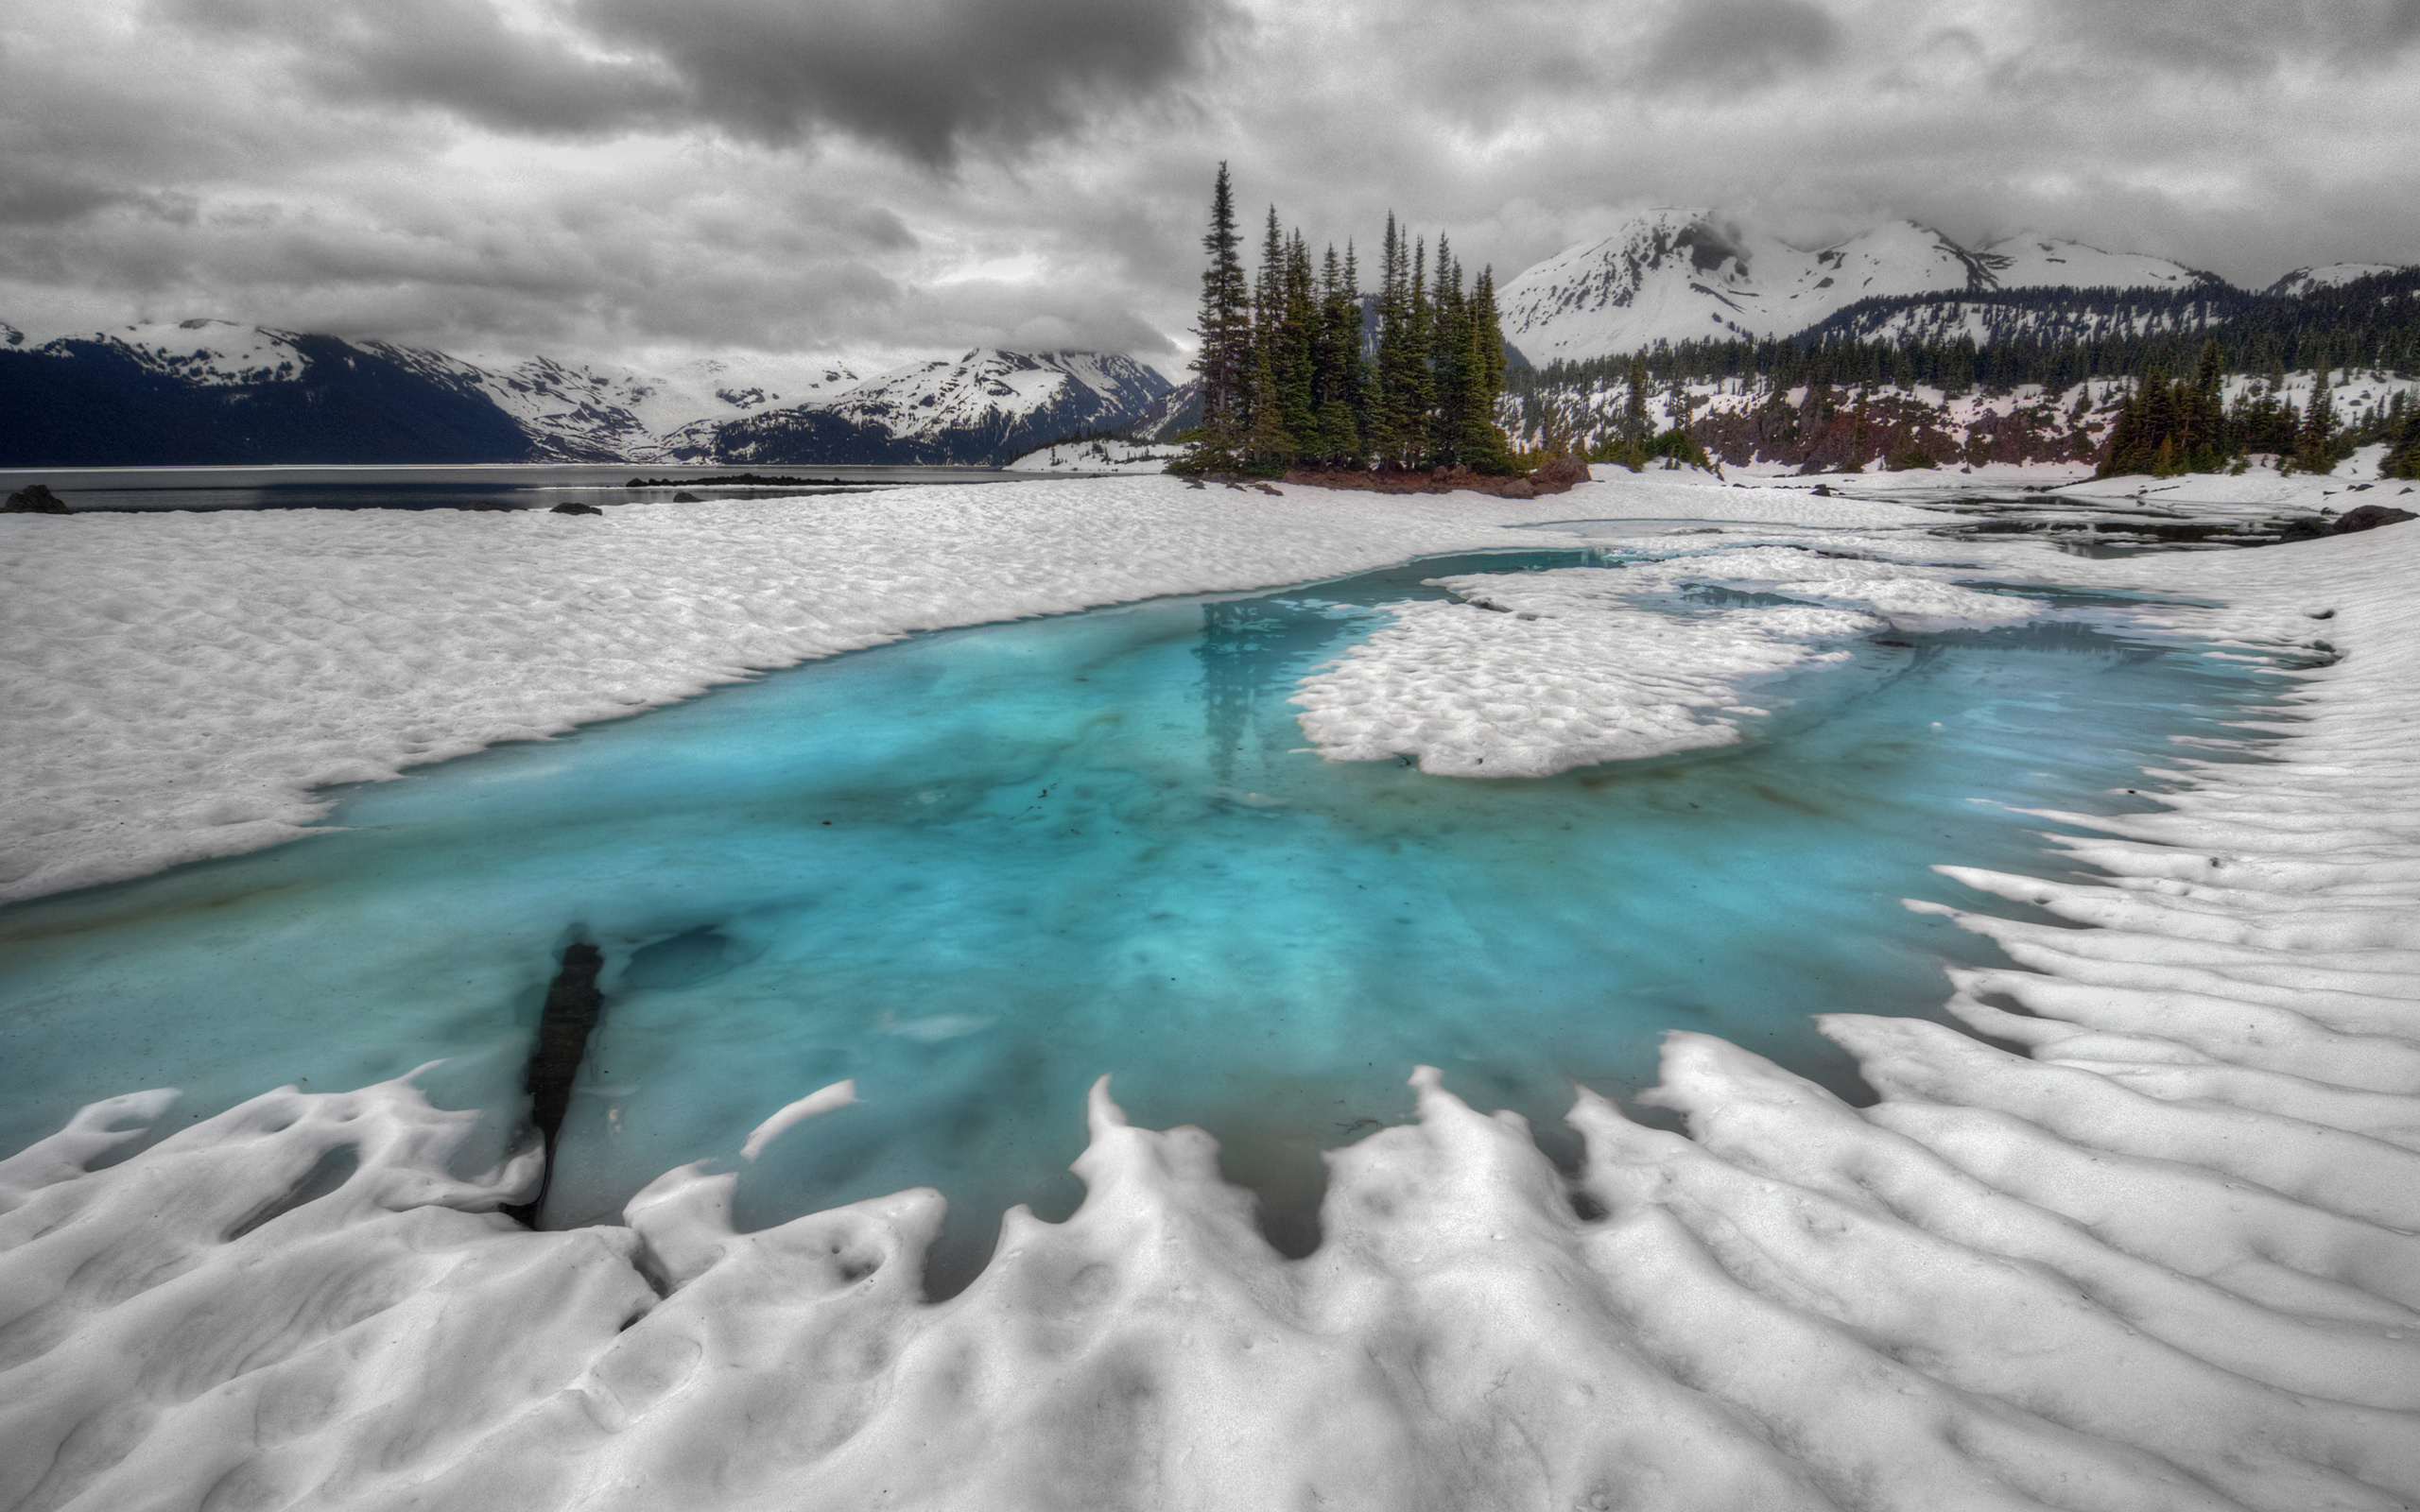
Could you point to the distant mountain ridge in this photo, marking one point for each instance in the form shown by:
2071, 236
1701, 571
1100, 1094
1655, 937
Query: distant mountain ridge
206, 391
1675, 274
991, 405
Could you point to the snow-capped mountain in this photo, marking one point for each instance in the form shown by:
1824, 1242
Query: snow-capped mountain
985, 407
2332, 275
1680, 275
203, 391
615, 413
2029, 262
1168, 416
202, 352
212, 391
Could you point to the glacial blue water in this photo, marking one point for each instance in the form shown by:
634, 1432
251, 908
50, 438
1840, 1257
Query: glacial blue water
975, 869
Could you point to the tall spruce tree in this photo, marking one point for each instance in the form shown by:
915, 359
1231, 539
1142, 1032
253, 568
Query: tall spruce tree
2318, 429
2201, 412
1398, 403
1294, 350
1340, 385
1225, 358
1448, 360
1483, 443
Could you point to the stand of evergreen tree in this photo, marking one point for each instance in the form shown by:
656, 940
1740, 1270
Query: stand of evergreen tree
2169, 424
2169, 428
2370, 324
2403, 430
1299, 368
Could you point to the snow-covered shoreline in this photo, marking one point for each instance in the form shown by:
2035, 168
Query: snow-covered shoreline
178, 685
2167, 1261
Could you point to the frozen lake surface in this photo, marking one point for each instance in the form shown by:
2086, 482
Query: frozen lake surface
975, 869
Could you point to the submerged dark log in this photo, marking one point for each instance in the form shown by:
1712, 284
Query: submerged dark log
573, 1006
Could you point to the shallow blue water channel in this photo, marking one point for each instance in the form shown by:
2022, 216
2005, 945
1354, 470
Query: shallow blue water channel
975, 869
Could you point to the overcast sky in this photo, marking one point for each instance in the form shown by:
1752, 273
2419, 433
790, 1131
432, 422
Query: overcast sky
640, 179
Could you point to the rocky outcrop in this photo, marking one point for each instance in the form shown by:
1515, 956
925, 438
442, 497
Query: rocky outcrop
2369, 517
1559, 475
34, 498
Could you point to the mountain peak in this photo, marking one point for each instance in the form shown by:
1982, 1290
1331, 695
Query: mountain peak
983, 406
1678, 274
2326, 276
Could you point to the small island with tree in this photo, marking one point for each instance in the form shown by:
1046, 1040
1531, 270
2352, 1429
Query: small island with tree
1307, 379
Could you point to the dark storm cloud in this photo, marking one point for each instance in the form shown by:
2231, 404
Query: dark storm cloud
453, 55
610, 175
926, 77
1741, 42
31, 197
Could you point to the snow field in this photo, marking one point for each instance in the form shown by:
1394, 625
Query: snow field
2163, 1260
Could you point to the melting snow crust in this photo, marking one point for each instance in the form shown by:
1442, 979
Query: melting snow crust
2165, 1257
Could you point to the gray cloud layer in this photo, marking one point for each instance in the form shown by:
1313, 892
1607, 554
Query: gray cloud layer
854, 175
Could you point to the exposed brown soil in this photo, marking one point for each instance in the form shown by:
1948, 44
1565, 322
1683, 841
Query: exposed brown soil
1554, 477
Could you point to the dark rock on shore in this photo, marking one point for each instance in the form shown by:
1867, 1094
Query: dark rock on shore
485, 504
575, 508
2368, 517
36, 498
1559, 475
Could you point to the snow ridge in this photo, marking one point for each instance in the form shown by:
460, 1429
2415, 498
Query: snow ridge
1675, 274
983, 406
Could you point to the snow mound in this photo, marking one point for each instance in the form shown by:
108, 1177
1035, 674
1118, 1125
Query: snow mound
1533, 673
1525, 678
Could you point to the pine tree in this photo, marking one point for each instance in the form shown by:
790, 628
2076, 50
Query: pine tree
1293, 349
1448, 360
1224, 360
1269, 446
1391, 426
2403, 460
1636, 429
1483, 444
2201, 441
2318, 429
1340, 380
2134, 446
1418, 391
